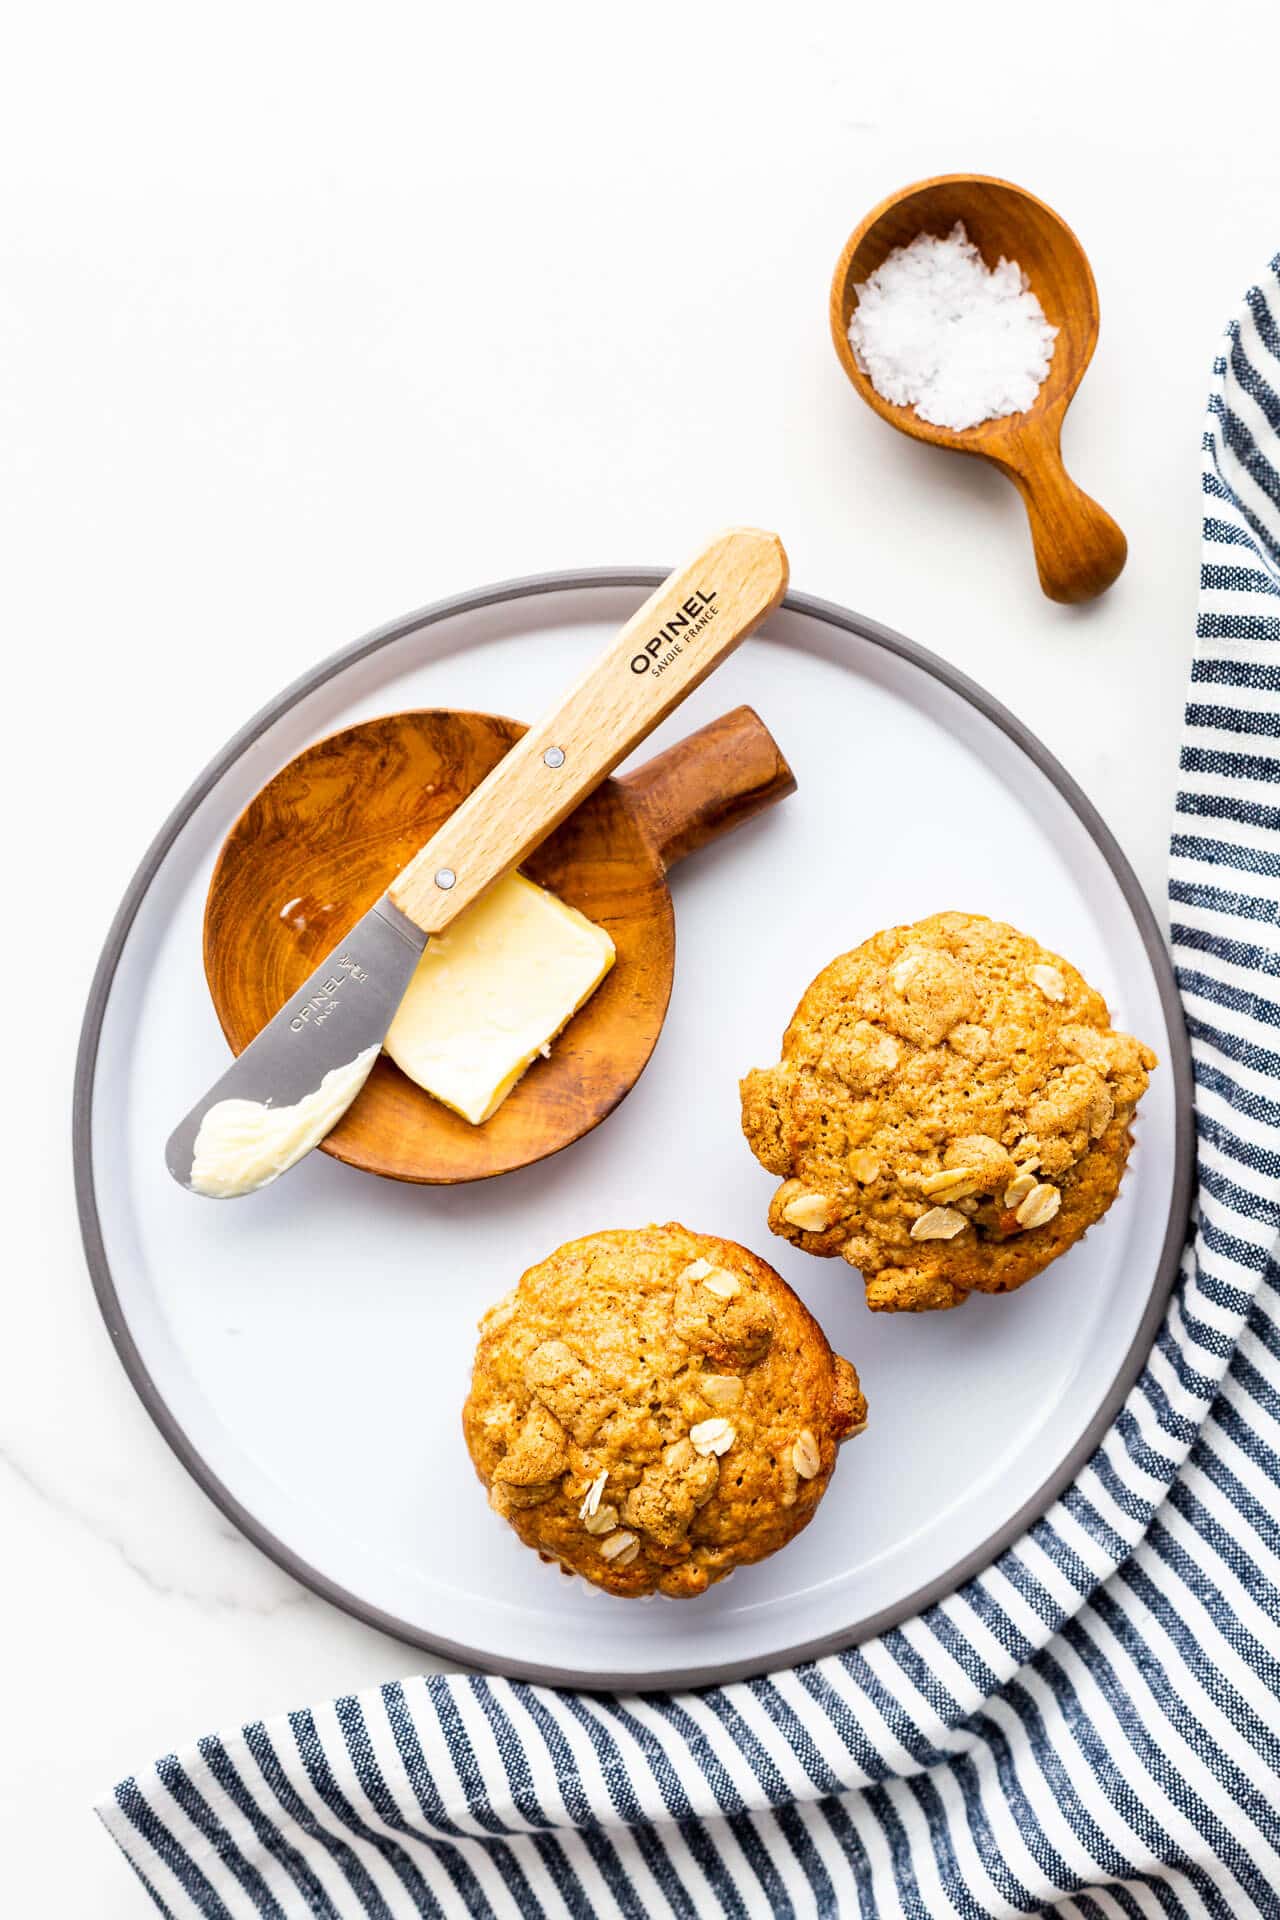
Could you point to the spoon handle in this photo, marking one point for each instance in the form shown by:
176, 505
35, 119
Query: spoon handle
684, 630
1080, 551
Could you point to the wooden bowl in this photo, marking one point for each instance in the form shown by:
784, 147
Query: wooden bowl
1079, 549
324, 838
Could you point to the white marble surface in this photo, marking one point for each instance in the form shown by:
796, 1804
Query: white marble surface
309, 315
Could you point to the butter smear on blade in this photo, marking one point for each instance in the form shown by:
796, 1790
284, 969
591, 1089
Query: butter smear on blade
243, 1145
492, 991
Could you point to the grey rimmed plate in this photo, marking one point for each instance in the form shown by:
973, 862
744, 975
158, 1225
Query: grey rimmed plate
306, 1352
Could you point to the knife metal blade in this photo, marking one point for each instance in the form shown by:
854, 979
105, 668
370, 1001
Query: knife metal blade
340, 1011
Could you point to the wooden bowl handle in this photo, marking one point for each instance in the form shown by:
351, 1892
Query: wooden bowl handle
708, 784
1080, 551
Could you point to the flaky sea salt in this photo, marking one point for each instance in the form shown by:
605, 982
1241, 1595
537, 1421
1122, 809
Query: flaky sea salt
936, 330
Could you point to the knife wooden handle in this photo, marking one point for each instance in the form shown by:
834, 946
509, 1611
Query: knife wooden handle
693, 622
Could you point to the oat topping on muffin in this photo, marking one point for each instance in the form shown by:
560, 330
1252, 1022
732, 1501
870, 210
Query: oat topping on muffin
951, 1111
654, 1408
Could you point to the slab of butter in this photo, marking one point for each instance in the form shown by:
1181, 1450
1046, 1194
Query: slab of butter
492, 992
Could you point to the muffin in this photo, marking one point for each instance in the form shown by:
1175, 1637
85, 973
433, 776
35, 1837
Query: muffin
653, 1408
951, 1111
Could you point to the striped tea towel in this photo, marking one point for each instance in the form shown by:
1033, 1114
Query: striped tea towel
1090, 1728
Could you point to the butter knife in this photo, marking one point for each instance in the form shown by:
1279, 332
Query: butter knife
293, 1083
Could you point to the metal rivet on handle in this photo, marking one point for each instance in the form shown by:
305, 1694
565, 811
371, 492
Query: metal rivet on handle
553, 757
445, 878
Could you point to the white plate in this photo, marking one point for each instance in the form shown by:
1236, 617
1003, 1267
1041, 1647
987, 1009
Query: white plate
306, 1351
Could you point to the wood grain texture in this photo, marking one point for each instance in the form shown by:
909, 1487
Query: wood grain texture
1079, 548
691, 623
325, 837
708, 784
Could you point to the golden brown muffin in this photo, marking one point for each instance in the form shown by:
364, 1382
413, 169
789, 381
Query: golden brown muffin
951, 1111
653, 1408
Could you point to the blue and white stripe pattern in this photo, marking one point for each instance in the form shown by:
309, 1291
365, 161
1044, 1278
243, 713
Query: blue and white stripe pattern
1090, 1728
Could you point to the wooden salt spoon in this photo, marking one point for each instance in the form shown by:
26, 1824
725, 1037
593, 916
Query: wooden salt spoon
1079, 549
325, 837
